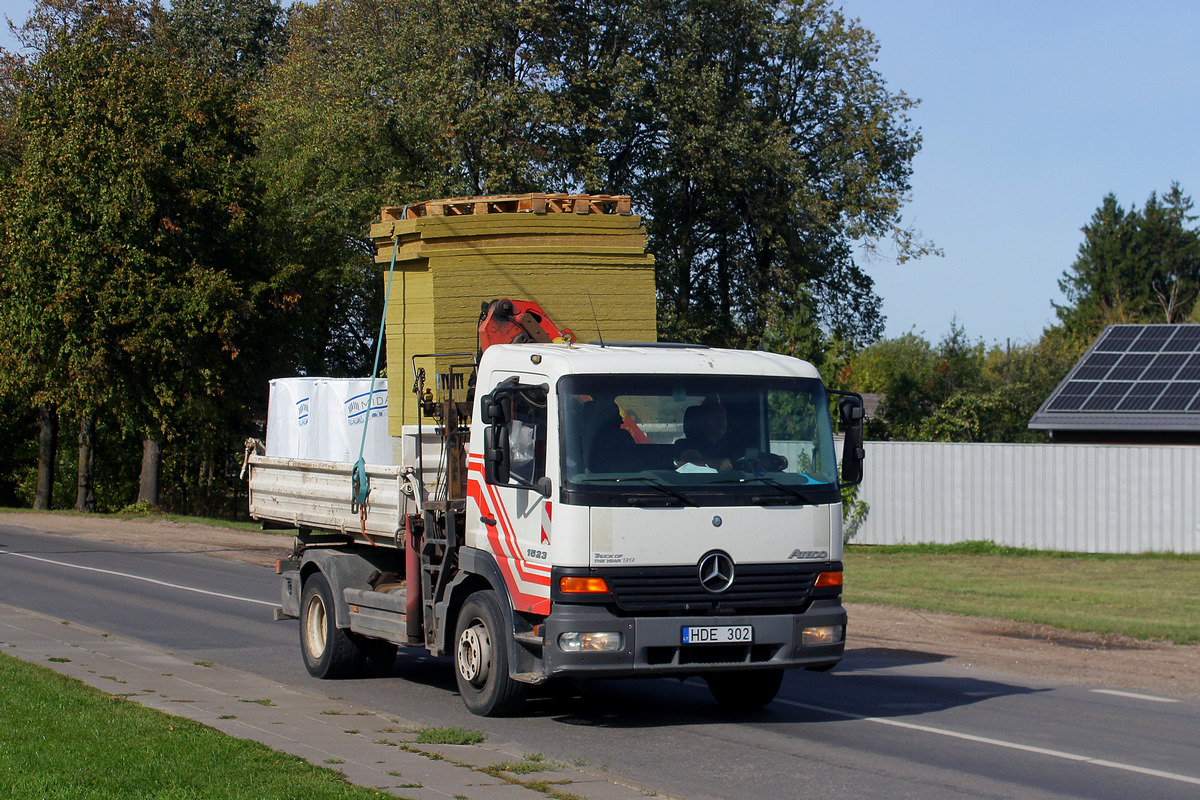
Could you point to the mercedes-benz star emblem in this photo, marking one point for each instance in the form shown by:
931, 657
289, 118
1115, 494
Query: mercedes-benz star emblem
716, 571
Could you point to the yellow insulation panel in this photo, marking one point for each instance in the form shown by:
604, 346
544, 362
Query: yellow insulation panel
583, 270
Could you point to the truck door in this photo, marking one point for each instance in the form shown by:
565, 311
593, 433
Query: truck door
512, 503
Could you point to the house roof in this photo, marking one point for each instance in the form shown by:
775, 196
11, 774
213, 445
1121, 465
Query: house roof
1132, 378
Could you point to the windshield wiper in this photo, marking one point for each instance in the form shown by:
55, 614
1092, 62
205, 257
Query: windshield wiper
653, 483
803, 497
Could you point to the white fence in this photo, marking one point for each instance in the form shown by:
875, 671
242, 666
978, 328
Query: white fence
1076, 498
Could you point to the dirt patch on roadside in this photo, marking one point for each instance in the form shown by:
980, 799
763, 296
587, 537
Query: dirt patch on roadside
249, 547
1034, 651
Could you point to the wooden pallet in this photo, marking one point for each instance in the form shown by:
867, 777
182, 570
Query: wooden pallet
536, 203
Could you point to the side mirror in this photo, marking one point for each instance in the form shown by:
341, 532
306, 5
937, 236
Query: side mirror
850, 409
495, 454
495, 408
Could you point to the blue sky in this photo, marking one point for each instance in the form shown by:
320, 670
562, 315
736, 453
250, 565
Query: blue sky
1031, 112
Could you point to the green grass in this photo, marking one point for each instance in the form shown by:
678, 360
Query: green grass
62, 740
1154, 597
449, 736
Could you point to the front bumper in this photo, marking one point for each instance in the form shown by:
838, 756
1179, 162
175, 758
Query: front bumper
653, 645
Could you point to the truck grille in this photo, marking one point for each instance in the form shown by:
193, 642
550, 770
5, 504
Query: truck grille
670, 591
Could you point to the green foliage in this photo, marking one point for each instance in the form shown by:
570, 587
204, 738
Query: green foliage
777, 146
234, 39
1134, 266
957, 391
134, 266
854, 513
450, 736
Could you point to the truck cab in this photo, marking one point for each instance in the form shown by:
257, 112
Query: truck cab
656, 510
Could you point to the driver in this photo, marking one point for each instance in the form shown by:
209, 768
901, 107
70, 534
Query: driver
703, 441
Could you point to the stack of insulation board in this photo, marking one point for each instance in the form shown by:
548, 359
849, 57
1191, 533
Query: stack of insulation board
581, 257
323, 419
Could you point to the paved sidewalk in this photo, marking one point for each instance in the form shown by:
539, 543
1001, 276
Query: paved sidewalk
370, 748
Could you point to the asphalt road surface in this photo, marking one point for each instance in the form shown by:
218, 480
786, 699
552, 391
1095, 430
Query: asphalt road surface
883, 724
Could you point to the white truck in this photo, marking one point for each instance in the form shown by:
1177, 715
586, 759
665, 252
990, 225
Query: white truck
568, 514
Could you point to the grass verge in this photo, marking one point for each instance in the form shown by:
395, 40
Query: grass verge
1155, 597
63, 740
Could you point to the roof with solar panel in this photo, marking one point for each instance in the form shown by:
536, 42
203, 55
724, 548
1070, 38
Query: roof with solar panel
1134, 378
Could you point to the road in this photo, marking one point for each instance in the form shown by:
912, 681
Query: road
884, 724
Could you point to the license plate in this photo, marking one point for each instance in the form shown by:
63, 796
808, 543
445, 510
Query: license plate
718, 634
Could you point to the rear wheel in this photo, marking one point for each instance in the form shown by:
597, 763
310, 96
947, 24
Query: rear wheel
745, 690
329, 651
481, 658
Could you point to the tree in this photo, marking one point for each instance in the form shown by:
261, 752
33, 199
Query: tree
777, 146
755, 135
1134, 266
233, 39
130, 228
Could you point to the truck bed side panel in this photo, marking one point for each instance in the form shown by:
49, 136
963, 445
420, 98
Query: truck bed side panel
317, 494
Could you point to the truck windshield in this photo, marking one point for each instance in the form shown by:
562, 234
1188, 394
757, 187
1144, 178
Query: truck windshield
691, 440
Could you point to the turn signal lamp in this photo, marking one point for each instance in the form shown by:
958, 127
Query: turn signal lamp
828, 579
579, 641
571, 584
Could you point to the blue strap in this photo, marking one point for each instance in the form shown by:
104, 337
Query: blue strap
360, 485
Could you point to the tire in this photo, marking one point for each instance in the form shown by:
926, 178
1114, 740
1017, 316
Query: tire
745, 690
481, 658
329, 651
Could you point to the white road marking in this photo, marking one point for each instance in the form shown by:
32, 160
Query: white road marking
1100, 762
141, 578
1136, 696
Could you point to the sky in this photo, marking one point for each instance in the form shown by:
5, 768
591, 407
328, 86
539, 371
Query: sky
1031, 112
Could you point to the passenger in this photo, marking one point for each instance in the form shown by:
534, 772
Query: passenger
610, 445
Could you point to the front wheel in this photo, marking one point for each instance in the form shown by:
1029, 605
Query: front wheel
481, 658
745, 690
329, 651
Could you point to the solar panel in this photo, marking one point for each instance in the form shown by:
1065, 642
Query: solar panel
1141, 397
1117, 337
1072, 395
1130, 370
1177, 396
1165, 367
1152, 338
1106, 396
1130, 367
1186, 338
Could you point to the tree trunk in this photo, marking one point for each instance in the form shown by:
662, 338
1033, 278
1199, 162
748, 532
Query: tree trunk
85, 498
151, 471
47, 448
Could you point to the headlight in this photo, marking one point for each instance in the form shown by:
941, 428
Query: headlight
579, 641
826, 634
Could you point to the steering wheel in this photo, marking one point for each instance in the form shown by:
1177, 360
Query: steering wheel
766, 462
